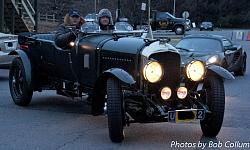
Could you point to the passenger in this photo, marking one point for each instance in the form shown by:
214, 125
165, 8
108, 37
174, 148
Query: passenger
64, 34
105, 20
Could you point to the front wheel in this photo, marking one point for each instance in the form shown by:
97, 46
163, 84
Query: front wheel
215, 100
21, 91
179, 30
115, 110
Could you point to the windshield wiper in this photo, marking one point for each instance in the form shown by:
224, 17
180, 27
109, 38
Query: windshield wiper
185, 49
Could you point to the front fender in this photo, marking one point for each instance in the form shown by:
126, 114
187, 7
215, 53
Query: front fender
221, 72
26, 63
99, 91
121, 75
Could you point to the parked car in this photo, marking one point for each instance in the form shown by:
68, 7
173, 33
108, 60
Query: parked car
166, 21
90, 27
215, 49
206, 26
139, 79
91, 17
123, 26
8, 43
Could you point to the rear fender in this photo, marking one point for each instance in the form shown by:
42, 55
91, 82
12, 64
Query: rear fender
178, 24
26, 63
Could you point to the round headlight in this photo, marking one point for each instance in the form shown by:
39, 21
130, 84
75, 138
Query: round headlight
212, 60
152, 71
166, 93
195, 70
182, 92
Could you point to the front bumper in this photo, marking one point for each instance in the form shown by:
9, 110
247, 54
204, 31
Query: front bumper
206, 28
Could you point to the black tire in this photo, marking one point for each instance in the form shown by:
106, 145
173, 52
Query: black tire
20, 91
215, 100
115, 110
179, 30
242, 69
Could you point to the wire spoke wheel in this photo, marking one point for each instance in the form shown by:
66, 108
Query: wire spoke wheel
20, 90
115, 110
215, 100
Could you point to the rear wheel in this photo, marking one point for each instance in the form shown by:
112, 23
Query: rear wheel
215, 100
21, 91
115, 110
242, 69
179, 30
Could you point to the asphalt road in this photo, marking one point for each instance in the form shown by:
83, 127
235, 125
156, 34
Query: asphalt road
56, 122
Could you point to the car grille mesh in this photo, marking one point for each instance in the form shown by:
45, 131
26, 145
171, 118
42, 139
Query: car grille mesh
118, 60
170, 62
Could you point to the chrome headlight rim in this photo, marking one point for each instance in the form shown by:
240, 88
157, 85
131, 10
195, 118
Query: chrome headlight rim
147, 77
187, 71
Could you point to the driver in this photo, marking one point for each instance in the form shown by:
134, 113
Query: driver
64, 35
105, 20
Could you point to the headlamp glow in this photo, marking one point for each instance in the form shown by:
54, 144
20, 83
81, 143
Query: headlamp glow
152, 71
195, 70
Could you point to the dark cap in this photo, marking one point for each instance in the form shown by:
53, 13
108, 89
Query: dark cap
74, 12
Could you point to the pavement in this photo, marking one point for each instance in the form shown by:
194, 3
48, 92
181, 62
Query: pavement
55, 122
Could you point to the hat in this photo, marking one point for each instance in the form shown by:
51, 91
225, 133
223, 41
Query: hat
104, 13
74, 12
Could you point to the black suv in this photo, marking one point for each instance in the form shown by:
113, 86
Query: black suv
166, 21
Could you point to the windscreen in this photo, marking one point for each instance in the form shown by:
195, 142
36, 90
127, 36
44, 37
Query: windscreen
200, 44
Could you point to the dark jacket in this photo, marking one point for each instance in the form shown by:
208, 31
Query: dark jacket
64, 36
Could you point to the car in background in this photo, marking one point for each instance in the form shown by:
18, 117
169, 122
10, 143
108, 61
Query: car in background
166, 21
8, 43
90, 27
91, 17
94, 27
214, 49
123, 26
206, 26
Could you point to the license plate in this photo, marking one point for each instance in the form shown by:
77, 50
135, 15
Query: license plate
186, 115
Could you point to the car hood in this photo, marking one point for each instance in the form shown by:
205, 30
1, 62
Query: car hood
180, 20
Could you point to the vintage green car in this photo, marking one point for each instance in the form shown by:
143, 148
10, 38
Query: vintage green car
140, 80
